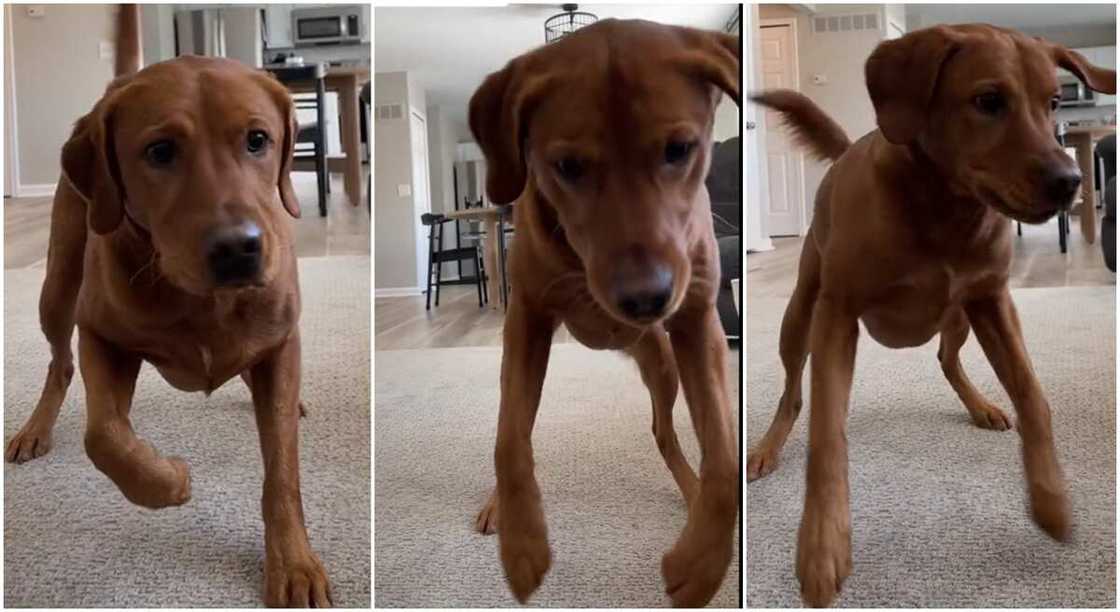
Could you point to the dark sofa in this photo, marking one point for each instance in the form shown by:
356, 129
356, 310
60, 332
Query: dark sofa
727, 204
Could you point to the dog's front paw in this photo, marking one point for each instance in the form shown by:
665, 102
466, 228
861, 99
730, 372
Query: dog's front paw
987, 416
824, 556
486, 522
168, 483
525, 559
693, 572
30, 443
1051, 511
297, 581
761, 461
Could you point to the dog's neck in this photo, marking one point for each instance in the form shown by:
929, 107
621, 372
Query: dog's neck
950, 217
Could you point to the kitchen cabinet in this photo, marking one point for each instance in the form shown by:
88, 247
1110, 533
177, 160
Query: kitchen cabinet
278, 18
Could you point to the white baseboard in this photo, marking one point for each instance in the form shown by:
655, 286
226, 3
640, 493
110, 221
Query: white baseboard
391, 292
39, 190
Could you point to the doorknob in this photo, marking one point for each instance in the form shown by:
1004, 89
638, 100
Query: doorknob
751, 125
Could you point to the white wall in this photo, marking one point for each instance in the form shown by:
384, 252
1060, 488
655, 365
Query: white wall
840, 57
157, 32
58, 78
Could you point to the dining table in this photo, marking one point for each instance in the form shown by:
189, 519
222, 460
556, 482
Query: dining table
493, 245
1081, 138
346, 80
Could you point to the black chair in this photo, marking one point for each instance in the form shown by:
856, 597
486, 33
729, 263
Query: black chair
365, 96
1063, 214
310, 133
437, 256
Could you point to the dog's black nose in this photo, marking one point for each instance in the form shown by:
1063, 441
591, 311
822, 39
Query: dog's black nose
234, 253
1062, 184
645, 295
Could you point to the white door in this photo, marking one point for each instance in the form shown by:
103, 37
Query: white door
785, 215
755, 236
418, 133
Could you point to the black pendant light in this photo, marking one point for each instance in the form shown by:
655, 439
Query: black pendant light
562, 24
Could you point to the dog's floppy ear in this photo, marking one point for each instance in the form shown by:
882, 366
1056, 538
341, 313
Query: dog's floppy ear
1098, 79
714, 57
89, 164
499, 118
287, 151
901, 77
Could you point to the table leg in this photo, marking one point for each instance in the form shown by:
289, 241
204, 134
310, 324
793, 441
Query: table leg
491, 256
1088, 209
351, 138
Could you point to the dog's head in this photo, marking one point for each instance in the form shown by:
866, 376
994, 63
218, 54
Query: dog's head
612, 127
980, 101
193, 151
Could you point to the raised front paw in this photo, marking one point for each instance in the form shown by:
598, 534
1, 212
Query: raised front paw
1051, 511
693, 572
824, 556
297, 581
525, 559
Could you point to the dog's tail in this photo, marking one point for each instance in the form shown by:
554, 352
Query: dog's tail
812, 128
128, 40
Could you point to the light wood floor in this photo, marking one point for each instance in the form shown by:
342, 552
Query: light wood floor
403, 323
1037, 263
344, 231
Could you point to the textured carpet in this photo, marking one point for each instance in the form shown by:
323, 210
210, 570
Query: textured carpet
611, 504
72, 540
939, 506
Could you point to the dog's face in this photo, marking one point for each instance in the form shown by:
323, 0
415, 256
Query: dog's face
612, 126
193, 152
981, 102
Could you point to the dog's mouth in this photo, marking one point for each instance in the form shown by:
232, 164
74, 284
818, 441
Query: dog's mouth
1031, 214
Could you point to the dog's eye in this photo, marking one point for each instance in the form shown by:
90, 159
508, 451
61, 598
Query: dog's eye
990, 103
256, 141
678, 151
1055, 102
160, 153
570, 169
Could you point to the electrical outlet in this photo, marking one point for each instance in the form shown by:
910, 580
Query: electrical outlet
404, 190
105, 50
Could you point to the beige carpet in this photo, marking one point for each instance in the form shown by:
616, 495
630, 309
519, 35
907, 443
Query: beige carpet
611, 504
938, 506
72, 540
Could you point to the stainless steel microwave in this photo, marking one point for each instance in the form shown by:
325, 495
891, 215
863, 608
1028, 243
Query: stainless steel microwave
327, 25
1075, 93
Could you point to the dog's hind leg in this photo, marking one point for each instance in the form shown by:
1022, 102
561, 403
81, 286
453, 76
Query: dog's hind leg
954, 333
654, 355
57, 303
794, 349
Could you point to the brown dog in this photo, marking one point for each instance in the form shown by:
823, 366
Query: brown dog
603, 139
188, 264
911, 236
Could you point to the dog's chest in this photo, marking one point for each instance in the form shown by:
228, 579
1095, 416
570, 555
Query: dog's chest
912, 309
594, 328
205, 349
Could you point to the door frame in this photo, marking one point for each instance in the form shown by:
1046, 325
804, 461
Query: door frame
755, 175
426, 181
795, 57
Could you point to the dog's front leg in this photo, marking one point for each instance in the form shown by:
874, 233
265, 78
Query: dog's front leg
293, 575
824, 543
144, 476
695, 567
523, 537
997, 328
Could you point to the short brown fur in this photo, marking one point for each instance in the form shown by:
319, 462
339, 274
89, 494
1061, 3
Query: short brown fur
126, 266
911, 236
610, 97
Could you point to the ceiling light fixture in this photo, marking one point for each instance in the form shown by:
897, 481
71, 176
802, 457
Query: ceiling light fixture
562, 24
